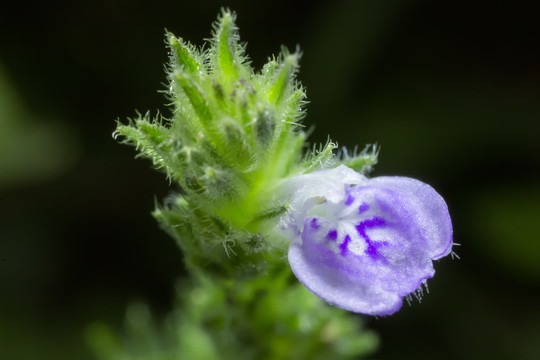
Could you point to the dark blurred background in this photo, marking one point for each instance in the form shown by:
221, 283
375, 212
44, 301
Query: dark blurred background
449, 90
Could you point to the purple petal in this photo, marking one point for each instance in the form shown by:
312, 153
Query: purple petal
367, 261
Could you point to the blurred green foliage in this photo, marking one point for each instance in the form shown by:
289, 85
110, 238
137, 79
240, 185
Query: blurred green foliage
228, 319
31, 151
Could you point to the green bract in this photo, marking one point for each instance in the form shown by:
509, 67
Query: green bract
233, 135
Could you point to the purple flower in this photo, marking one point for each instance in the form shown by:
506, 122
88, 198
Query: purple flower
363, 244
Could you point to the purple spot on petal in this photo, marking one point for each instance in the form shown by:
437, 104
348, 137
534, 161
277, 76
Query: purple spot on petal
372, 247
372, 251
315, 223
332, 235
363, 208
349, 200
344, 245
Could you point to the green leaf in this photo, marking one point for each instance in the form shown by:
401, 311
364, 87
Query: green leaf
196, 97
227, 46
284, 77
184, 55
362, 162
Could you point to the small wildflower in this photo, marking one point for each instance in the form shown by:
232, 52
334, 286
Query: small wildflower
364, 244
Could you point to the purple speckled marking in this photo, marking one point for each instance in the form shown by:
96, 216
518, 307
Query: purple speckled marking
344, 245
349, 200
372, 246
363, 208
332, 235
315, 223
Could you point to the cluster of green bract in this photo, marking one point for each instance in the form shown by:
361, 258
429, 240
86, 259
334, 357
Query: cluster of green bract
233, 135
233, 132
